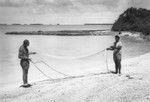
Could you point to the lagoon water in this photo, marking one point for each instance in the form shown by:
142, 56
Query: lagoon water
60, 52
6, 28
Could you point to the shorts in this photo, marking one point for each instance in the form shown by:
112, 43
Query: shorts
24, 64
117, 57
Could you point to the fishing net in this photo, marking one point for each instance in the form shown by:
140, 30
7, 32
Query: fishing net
61, 66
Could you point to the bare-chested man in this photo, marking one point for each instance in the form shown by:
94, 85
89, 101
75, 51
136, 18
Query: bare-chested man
24, 61
117, 53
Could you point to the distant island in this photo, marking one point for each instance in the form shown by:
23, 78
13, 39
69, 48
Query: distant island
16, 24
3, 24
25, 24
36, 24
60, 33
98, 24
133, 19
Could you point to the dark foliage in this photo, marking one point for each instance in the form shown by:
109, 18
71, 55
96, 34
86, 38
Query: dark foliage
133, 19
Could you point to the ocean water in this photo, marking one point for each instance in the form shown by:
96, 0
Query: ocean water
9, 28
67, 54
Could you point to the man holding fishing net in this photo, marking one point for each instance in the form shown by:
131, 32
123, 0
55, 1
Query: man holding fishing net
117, 53
24, 61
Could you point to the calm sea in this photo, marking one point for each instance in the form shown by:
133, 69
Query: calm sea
6, 28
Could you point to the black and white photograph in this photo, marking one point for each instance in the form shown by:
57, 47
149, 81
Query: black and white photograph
74, 50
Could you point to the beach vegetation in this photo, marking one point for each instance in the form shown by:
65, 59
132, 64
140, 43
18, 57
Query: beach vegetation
133, 19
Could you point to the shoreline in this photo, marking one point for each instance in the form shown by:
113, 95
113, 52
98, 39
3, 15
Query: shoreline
136, 35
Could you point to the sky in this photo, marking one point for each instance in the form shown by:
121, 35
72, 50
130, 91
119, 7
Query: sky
65, 11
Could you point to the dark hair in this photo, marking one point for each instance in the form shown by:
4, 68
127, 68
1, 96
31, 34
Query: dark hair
25, 42
117, 36
119, 32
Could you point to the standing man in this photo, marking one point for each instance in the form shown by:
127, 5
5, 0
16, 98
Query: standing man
117, 53
24, 61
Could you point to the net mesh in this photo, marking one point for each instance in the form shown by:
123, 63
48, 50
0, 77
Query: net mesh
56, 66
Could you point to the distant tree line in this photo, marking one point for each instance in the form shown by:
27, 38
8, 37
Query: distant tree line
133, 19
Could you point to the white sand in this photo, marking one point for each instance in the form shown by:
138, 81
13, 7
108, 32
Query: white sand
132, 86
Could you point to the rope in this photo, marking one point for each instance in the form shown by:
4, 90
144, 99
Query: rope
41, 70
54, 69
106, 59
51, 67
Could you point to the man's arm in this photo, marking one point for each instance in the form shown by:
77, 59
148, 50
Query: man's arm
110, 48
22, 56
119, 46
32, 53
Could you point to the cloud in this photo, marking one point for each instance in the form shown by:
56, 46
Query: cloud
139, 3
14, 3
72, 3
107, 3
63, 11
67, 6
58, 6
75, 6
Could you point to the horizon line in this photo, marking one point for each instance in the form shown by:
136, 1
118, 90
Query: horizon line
55, 24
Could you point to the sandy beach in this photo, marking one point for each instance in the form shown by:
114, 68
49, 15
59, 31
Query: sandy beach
132, 86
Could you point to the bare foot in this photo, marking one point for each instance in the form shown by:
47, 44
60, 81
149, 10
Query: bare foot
26, 85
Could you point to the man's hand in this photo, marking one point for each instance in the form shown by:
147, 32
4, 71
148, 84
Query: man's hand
32, 53
112, 47
108, 49
29, 59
